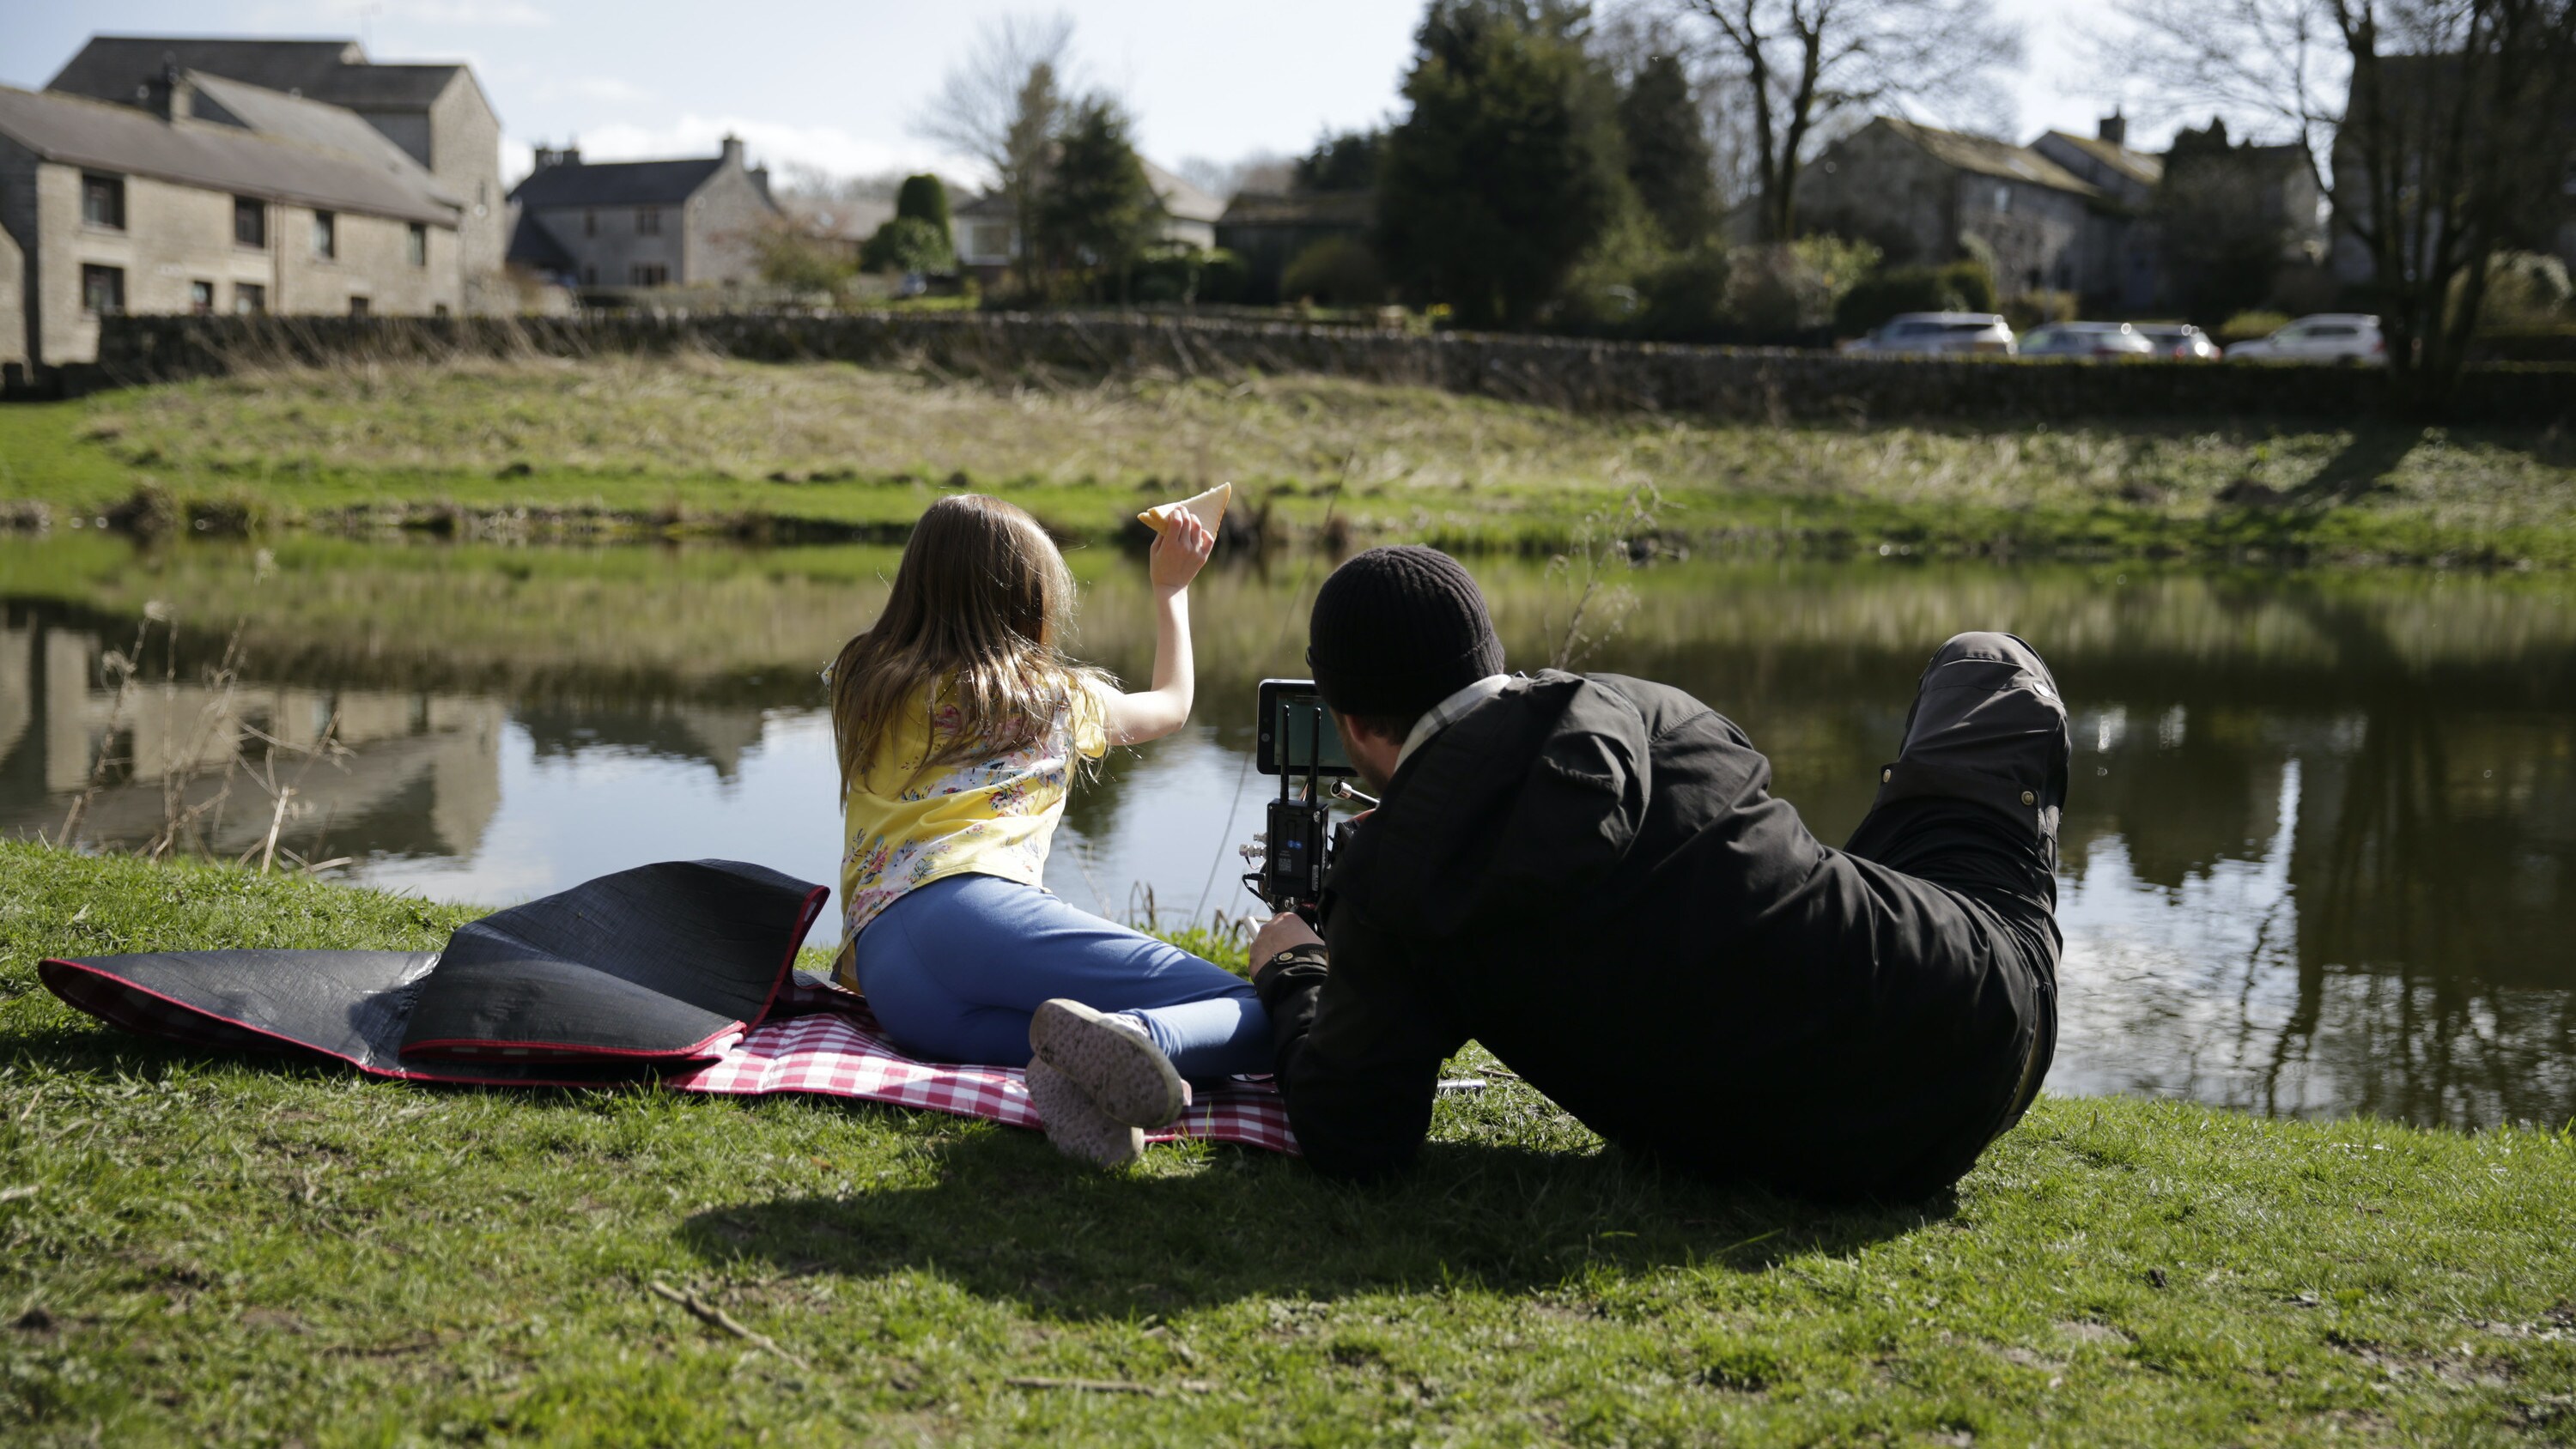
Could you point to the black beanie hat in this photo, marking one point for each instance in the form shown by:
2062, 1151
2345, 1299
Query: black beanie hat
1397, 630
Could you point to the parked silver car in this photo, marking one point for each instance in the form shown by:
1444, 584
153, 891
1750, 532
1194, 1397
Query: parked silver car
1928, 334
2180, 341
2324, 337
2103, 340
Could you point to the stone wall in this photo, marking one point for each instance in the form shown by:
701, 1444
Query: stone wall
13, 300
1597, 376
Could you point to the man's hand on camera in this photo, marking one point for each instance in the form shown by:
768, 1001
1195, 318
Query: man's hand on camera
1281, 932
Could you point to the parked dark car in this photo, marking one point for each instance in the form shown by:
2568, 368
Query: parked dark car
2180, 341
2100, 340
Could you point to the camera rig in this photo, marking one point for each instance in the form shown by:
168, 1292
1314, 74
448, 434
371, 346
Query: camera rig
1298, 743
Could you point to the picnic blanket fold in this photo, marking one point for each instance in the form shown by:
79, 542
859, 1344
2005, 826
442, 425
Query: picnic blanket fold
667, 964
679, 973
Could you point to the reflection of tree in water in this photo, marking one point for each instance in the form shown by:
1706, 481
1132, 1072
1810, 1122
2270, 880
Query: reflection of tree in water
2421, 940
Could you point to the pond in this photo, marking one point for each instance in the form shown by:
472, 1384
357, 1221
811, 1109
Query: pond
2319, 856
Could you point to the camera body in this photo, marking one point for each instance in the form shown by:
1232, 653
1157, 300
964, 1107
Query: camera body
1299, 744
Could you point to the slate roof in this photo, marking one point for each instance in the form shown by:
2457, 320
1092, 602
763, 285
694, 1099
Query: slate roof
1180, 198
313, 123
1986, 156
337, 71
78, 131
615, 183
2138, 166
531, 245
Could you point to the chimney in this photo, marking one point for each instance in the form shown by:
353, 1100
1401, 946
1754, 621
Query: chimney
732, 151
2115, 128
550, 156
169, 95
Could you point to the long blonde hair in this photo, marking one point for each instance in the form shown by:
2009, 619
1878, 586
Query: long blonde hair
981, 606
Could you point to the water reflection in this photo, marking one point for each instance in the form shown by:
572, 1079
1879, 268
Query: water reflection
2317, 859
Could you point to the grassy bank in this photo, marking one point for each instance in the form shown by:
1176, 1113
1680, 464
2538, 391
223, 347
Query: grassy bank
627, 446
202, 1247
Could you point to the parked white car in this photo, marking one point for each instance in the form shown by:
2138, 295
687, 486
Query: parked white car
2103, 340
2324, 337
1928, 334
2180, 341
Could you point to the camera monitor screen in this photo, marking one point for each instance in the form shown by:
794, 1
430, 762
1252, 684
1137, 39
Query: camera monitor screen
1297, 731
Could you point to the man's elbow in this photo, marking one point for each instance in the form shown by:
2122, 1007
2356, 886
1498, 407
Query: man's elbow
1352, 1147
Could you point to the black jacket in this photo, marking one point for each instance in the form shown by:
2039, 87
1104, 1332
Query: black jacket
1590, 877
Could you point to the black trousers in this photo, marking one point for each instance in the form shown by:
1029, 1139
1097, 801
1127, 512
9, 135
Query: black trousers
1971, 806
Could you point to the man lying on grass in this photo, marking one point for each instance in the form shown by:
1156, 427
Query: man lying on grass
1589, 876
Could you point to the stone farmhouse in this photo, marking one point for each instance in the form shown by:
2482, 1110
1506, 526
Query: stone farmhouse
1916, 191
683, 223
985, 232
2118, 255
2065, 213
205, 194
436, 113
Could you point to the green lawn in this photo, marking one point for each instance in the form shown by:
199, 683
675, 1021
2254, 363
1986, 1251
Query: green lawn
627, 446
202, 1248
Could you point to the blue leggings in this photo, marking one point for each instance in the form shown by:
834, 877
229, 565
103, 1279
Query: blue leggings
954, 969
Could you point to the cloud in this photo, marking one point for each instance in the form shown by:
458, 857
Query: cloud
773, 143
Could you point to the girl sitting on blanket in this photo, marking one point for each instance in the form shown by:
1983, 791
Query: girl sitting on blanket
959, 720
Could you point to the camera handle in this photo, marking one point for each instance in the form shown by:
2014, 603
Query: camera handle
1291, 857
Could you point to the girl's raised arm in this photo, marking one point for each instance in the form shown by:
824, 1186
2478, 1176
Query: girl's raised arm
1153, 713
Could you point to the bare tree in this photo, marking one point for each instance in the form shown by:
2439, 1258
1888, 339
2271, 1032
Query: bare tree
2438, 129
1003, 102
1802, 68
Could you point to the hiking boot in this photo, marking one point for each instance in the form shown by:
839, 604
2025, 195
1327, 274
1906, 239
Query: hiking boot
1987, 726
1075, 1123
1111, 1059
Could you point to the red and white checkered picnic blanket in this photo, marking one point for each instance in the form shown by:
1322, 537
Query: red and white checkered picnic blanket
824, 1040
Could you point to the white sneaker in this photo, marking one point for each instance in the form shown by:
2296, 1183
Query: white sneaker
1111, 1059
1075, 1123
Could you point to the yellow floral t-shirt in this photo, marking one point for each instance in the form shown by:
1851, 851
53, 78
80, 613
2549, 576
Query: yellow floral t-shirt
988, 816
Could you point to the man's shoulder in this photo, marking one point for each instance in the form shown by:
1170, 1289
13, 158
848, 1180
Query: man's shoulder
1661, 708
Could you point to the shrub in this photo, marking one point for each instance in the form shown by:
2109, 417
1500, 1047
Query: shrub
1961, 286
2246, 326
1684, 300
1223, 275
1187, 274
1336, 270
1781, 289
2524, 290
926, 197
786, 257
907, 244
2032, 309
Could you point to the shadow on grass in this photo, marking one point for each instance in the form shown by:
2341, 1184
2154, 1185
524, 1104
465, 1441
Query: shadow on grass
1009, 1220
2361, 467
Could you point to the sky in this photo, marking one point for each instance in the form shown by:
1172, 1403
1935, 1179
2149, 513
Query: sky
836, 86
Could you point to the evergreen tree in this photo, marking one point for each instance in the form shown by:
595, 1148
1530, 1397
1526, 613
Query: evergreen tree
1343, 162
1098, 210
924, 197
1502, 174
1668, 155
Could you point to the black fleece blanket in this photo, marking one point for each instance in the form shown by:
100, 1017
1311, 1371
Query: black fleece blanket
663, 966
